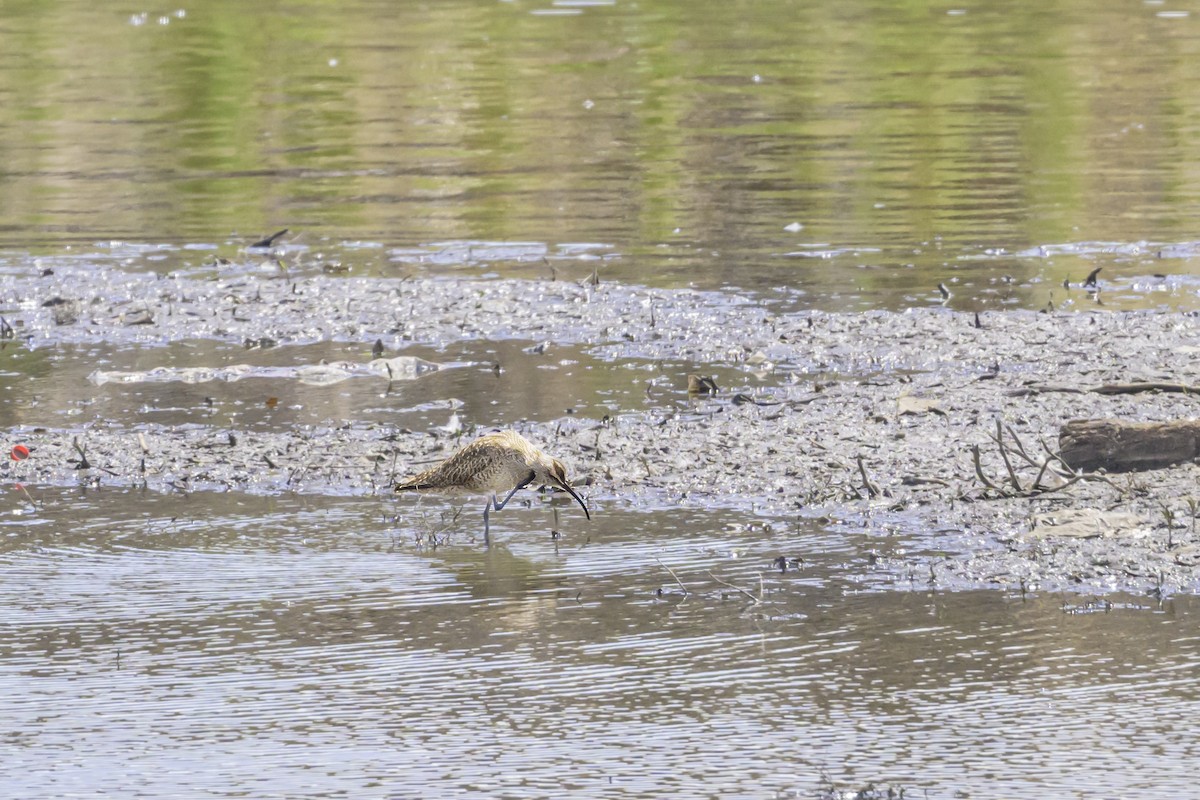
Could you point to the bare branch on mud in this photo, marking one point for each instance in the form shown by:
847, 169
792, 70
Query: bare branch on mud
998, 438
1069, 475
1107, 388
979, 471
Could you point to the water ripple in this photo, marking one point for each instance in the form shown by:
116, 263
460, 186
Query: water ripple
242, 648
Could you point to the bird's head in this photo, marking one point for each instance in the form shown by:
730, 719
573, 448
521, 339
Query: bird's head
551, 472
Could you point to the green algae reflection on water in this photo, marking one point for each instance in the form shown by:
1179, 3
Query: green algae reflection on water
810, 145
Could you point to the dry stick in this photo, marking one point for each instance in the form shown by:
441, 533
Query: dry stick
85, 464
979, 471
673, 575
1037, 482
1026, 391
1107, 388
1134, 388
1031, 461
1020, 446
1079, 477
735, 588
1012, 473
1057, 457
25, 492
1043, 466
646, 466
872, 489
1072, 475
917, 480
83, 459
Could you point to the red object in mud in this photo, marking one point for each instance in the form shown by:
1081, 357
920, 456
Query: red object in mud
19, 453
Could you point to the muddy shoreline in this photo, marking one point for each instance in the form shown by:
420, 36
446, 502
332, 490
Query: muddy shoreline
909, 394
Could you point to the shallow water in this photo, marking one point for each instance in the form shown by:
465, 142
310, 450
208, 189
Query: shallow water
830, 155
535, 381
309, 647
850, 156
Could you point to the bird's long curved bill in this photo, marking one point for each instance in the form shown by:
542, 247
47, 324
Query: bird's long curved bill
567, 488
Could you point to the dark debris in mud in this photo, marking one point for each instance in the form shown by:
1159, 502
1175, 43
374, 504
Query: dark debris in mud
869, 421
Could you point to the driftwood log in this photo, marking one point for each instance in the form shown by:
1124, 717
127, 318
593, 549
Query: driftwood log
1090, 444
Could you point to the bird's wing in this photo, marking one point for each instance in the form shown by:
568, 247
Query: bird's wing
488, 449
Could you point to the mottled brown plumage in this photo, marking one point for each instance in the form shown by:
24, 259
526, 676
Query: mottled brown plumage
498, 462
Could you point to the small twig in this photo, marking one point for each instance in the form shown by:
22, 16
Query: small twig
1072, 482
1055, 456
917, 480
735, 588
392, 474
25, 492
646, 466
1012, 473
979, 470
872, 489
673, 575
1037, 482
1020, 446
83, 459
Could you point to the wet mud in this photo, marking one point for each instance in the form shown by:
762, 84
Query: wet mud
865, 422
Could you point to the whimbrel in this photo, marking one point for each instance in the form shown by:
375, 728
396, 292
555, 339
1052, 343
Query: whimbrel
498, 462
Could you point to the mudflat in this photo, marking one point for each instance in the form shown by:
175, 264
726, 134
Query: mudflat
932, 425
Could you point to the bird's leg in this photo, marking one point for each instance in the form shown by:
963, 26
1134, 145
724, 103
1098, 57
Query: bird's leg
487, 539
515, 489
499, 504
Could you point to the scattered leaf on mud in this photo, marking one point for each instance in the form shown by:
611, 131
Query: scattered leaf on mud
908, 404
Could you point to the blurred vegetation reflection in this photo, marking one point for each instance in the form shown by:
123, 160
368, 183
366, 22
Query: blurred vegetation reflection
687, 135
